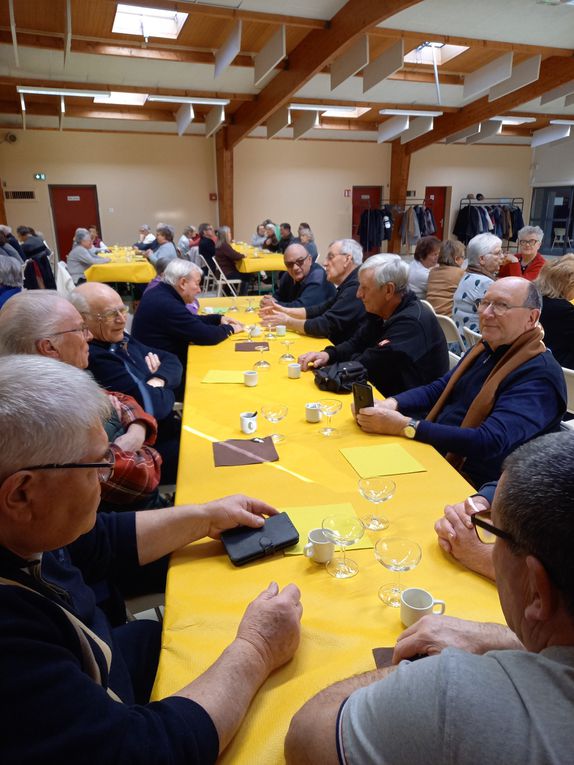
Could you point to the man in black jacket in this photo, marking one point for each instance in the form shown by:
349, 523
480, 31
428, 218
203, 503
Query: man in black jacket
400, 343
304, 284
338, 317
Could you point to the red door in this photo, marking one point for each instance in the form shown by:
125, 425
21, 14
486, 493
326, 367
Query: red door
72, 207
365, 198
435, 197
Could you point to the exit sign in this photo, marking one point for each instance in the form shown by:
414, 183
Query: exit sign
39, 176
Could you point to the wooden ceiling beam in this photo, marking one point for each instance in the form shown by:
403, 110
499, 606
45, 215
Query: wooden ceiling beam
554, 71
307, 59
93, 112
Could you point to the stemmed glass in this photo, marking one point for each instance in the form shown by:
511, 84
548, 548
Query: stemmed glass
233, 306
343, 530
250, 307
329, 407
261, 364
397, 554
275, 413
270, 333
287, 357
249, 330
376, 490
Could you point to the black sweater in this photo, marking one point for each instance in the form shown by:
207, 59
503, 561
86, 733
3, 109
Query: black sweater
339, 317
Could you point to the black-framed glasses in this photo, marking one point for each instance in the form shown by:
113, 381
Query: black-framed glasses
486, 531
83, 329
297, 263
105, 468
529, 242
499, 308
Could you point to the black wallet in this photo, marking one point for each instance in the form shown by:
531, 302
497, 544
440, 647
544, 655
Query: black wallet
244, 544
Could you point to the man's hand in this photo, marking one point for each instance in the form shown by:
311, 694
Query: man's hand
456, 536
510, 258
115, 402
133, 439
237, 325
236, 510
272, 624
153, 362
313, 360
267, 300
272, 318
156, 382
386, 421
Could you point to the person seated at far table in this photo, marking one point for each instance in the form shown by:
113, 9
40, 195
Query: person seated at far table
80, 257
307, 239
528, 261
11, 239
166, 248
10, 278
189, 239
97, 244
9, 250
484, 256
444, 279
206, 246
400, 342
336, 318
162, 320
227, 259
146, 240
425, 259
79, 683
285, 237
271, 242
258, 238
44, 323
31, 244
556, 283
507, 390
119, 362
485, 692
305, 283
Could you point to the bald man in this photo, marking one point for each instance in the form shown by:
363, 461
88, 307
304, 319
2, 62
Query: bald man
305, 283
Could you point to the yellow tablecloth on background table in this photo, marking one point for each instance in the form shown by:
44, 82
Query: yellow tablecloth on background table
123, 268
342, 619
256, 260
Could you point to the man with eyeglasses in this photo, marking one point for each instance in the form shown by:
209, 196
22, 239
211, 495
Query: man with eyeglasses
76, 688
528, 261
484, 692
505, 391
43, 322
338, 317
305, 283
119, 362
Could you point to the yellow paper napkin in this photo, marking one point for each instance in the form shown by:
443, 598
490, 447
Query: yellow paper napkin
306, 518
385, 459
223, 376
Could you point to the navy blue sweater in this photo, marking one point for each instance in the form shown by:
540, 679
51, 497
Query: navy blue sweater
338, 317
54, 711
529, 403
311, 290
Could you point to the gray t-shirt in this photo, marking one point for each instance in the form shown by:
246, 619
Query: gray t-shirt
507, 707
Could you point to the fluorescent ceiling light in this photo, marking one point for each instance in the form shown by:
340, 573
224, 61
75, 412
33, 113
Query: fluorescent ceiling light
117, 97
62, 105
442, 53
323, 108
563, 122
22, 102
355, 112
189, 100
148, 22
408, 113
513, 120
61, 92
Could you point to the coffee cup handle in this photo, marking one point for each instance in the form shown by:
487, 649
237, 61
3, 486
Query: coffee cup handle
442, 607
251, 426
308, 550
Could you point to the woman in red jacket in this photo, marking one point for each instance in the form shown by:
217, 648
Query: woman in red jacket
527, 262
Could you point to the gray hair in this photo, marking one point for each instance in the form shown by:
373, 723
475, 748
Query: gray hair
388, 268
479, 246
5, 229
535, 503
10, 271
533, 297
80, 234
27, 318
79, 302
304, 231
189, 230
161, 264
144, 227
223, 234
352, 248
531, 231
177, 269
41, 429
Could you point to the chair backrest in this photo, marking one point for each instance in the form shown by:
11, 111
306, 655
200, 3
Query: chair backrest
428, 305
193, 255
569, 377
209, 278
450, 330
64, 282
453, 360
224, 282
472, 338
559, 233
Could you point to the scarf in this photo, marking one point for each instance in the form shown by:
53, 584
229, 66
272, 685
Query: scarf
526, 347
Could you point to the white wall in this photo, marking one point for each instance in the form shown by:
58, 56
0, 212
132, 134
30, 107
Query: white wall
553, 164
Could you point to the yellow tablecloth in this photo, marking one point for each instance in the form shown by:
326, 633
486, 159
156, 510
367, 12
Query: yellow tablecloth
342, 620
123, 268
257, 260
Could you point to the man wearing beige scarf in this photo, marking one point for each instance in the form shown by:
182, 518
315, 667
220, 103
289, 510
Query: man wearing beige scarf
507, 390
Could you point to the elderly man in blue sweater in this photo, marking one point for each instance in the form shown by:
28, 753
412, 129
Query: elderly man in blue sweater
507, 390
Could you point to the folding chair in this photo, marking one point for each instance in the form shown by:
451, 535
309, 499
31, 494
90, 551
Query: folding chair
471, 337
453, 360
209, 280
223, 283
428, 305
450, 331
64, 282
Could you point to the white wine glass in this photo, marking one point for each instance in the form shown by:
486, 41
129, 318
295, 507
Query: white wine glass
250, 306
329, 408
274, 413
233, 306
343, 530
249, 330
287, 357
377, 490
396, 554
262, 363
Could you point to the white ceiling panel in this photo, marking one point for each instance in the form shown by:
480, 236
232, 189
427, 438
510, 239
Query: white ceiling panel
309, 9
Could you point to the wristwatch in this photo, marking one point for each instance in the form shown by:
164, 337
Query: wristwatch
410, 430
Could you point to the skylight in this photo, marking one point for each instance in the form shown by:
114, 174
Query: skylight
148, 22
118, 97
354, 114
443, 53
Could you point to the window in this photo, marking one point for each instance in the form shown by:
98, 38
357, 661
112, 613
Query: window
148, 22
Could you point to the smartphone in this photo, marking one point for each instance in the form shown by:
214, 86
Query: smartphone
362, 395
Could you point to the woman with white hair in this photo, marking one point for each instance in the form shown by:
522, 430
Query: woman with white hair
484, 257
80, 257
528, 261
10, 278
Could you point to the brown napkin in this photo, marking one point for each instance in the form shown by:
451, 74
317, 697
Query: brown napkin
244, 451
383, 657
251, 346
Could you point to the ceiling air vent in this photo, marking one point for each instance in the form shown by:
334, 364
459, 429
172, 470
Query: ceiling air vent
20, 194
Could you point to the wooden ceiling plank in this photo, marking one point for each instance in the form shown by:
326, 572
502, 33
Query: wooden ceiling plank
554, 71
317, 50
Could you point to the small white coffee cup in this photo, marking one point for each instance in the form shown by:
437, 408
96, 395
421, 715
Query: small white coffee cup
281, 330
250, 378
294, 371
248, 422
319, 548
312, 412
416, 603
208, 309
256, 331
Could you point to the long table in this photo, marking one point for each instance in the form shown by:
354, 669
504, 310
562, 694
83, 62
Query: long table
257, 259
125, 266
342, 619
